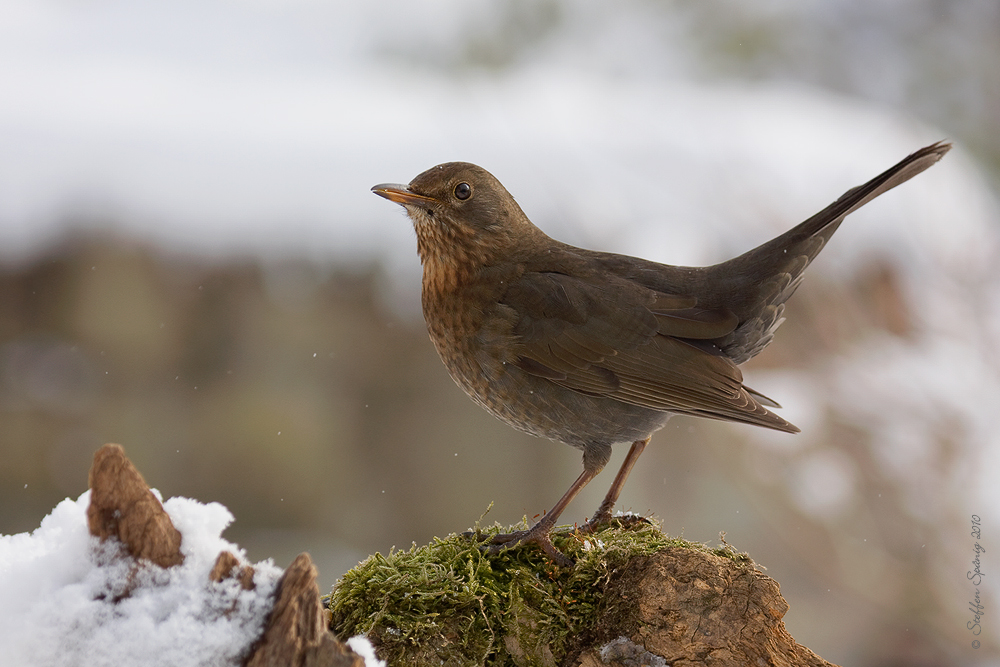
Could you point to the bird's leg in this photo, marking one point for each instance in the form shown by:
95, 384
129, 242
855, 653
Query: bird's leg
539, 533
603, 513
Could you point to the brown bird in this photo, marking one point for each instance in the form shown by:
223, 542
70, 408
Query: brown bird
593, 348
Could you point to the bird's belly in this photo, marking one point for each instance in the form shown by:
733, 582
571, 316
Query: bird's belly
479, 348
543, 408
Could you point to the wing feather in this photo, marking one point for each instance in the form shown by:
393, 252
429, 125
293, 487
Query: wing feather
628, 342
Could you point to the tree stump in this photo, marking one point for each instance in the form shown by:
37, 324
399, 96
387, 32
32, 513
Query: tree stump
634, 597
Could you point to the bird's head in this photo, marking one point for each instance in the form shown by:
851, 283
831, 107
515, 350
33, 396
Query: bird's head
461, 213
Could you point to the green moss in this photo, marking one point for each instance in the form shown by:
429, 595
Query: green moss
449, 603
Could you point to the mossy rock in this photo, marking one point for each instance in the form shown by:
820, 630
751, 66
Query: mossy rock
449, 603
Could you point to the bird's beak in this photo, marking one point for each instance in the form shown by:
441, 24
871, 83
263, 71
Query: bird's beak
402, 194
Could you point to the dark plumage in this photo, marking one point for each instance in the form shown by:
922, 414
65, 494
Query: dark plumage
593, 348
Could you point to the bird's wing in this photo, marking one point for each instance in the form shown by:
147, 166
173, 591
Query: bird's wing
610, 337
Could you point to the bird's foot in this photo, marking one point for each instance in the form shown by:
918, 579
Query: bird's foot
537, 534
602, 517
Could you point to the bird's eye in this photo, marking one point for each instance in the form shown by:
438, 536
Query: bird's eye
463, 191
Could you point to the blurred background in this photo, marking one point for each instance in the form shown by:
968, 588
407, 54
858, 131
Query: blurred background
192, 265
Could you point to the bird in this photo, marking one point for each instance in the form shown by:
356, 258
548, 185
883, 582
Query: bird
593, 348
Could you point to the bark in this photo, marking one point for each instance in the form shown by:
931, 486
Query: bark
689, 608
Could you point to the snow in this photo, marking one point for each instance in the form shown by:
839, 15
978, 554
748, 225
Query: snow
58, 585
364, 648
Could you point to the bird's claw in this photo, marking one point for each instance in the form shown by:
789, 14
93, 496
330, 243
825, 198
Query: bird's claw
533, 535
602, 519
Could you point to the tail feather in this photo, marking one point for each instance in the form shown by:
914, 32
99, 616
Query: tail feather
766, 276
